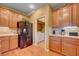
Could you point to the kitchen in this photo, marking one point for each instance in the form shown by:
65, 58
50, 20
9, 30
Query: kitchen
61, 28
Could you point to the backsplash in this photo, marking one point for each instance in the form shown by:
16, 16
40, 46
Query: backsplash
71, 29
7, 30
58, 31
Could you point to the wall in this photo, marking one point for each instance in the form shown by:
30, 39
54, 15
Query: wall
43, 11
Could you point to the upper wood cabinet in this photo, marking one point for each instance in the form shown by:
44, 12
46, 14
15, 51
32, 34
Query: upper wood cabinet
14, 18
9, 18
56, 18
76, 14
66, 15
4, 17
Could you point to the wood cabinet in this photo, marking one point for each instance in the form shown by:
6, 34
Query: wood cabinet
68, 49
76, 14
55, 44
77, 50
56, 18
13, 42
62, 16
9, 18
4, 17
0, 45
8, 42
65, 45
13, 20
4, 44
69, 46
66, 15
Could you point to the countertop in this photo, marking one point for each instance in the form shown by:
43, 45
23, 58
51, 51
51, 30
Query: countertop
76, 37
8, 34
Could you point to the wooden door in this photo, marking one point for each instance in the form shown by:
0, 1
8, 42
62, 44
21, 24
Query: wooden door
4, 44
13, 42
55, 45
68, 49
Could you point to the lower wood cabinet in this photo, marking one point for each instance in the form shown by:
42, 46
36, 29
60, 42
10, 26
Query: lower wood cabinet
4, 44
13, 42
68, 49
65, 45
0, 47
55, 44
77, 50
8, 42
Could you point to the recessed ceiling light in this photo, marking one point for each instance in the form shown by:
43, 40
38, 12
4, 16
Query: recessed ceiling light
31, 6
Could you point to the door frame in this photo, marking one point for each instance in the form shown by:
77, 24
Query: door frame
46, 31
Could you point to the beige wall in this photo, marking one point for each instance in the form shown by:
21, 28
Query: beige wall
43, 11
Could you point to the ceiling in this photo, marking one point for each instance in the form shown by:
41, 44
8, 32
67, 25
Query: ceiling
24, 7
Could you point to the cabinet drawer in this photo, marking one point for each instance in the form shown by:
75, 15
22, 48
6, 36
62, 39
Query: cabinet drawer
68, 40
68, 49
55, 38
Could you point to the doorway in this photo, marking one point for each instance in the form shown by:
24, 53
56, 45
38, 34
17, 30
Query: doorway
40, 32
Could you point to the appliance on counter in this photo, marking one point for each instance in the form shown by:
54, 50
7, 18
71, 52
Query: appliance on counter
62, 32
56, 31
73, 33
25, 36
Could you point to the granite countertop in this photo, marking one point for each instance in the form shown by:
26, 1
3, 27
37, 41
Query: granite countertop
8, 34
77, 37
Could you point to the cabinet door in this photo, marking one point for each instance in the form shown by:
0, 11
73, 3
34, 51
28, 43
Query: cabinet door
66, 13
77, 50
0, 47
68, 49
4, 44
76, 14
74, 20
55, 19
13, 20
55, 45
13, 42
4, 17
